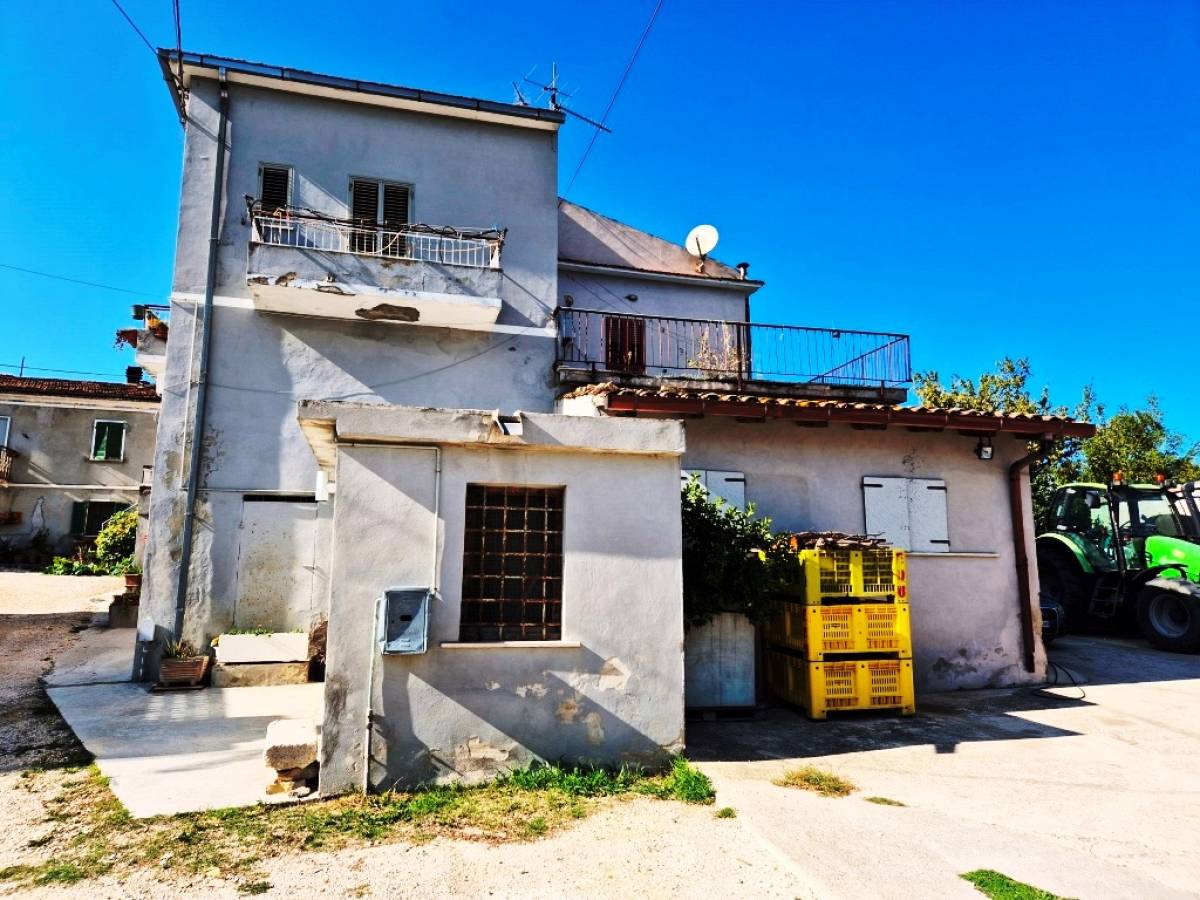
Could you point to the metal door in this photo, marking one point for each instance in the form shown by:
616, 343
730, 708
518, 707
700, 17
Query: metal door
275, 565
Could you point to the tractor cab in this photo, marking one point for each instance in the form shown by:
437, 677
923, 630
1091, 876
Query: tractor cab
1123, 548
1116, 527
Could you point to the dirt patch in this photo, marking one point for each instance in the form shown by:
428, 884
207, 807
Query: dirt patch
32, 733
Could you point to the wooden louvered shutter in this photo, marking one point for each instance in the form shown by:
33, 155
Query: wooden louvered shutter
364, 210
276, 188
364, 201
395, 204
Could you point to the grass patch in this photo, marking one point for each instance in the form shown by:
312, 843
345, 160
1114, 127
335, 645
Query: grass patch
1000, 887
726, 812
810, 778
92, 834
884, 801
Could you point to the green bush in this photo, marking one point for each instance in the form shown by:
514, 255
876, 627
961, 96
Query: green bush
117, 537
732, 561
112, 554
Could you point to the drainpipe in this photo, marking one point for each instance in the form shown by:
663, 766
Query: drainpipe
1017, 509
193, 485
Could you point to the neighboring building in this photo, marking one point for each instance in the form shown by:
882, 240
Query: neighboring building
426, 371
71, 454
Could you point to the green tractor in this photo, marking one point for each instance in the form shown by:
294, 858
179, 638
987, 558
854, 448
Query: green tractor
1126, 551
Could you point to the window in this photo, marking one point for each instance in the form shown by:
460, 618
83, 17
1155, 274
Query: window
512, 564
909, 513
108, 440
624, 344
729, 486
89, 516
275, 188
5, 422
379, 203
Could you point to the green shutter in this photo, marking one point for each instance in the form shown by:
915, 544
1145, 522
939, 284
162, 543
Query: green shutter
109, 440
78, 517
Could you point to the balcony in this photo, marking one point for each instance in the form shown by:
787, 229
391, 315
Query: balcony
787, 360
7, 455
303, 263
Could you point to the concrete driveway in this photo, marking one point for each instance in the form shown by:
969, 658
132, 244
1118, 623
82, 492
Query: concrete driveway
1091, 797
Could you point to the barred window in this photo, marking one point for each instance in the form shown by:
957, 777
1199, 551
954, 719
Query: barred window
512, 564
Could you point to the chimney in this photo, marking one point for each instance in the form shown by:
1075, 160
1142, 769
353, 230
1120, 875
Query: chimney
133, 374
743, 268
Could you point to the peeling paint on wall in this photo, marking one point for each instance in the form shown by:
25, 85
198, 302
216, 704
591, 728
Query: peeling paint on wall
595, 728
534, 690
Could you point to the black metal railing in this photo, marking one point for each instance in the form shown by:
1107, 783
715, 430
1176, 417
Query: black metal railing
703, 349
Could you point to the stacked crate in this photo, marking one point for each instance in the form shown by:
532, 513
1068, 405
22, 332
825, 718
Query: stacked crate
842, 638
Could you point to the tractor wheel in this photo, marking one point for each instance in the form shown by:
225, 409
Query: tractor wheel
1064, 582
1170, 620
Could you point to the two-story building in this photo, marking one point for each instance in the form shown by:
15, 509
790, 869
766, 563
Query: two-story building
71, 454
401, 363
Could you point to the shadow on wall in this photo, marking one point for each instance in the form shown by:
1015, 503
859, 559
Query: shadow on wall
500, 710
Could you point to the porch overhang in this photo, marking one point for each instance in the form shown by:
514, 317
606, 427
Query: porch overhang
631, 402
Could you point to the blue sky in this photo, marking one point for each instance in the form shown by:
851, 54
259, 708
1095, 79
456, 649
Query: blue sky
991, 177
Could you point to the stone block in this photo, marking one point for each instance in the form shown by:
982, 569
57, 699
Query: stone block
283, 646
291, 744
122, 614
259, 674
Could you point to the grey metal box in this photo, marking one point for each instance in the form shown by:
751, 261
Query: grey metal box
404, 620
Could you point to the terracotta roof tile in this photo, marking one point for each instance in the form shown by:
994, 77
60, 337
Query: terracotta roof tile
92, 390
834, 410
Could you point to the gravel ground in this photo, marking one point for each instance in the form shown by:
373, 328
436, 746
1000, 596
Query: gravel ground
39, 615
631, 847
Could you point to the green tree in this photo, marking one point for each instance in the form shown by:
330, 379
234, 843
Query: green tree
1135, 442
1006, 391
732, 561
1138, 444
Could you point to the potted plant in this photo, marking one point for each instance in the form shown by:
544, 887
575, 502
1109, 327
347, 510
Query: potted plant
133, 574
181, 665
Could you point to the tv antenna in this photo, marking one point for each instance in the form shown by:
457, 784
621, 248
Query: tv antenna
555, 93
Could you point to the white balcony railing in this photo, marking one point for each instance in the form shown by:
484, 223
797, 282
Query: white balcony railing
478, 248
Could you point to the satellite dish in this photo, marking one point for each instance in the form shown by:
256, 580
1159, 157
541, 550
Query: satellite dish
701, 240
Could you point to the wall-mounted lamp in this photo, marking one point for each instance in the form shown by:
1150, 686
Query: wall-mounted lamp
632, 298
568, 300
984, 449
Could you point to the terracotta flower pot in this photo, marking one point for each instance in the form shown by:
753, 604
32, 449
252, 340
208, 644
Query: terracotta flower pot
133, 581
188, 671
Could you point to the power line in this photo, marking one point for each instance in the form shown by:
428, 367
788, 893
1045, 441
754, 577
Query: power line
616, 92
104, 287
29, 368
133, 25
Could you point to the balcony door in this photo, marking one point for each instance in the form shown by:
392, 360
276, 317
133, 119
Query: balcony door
624, 344
380, 211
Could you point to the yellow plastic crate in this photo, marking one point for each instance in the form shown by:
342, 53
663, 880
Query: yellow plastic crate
819, 687
838, 576
845, 628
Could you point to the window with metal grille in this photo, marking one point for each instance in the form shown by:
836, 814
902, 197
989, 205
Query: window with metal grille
512, 564
378, 203
275, 189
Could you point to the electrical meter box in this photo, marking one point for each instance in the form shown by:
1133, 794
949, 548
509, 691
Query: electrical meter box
404, 620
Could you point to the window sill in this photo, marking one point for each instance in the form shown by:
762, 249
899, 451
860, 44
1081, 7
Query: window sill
94, 459
510, 645
954, 554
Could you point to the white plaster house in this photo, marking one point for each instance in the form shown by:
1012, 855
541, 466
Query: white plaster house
410, 366
71, 454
